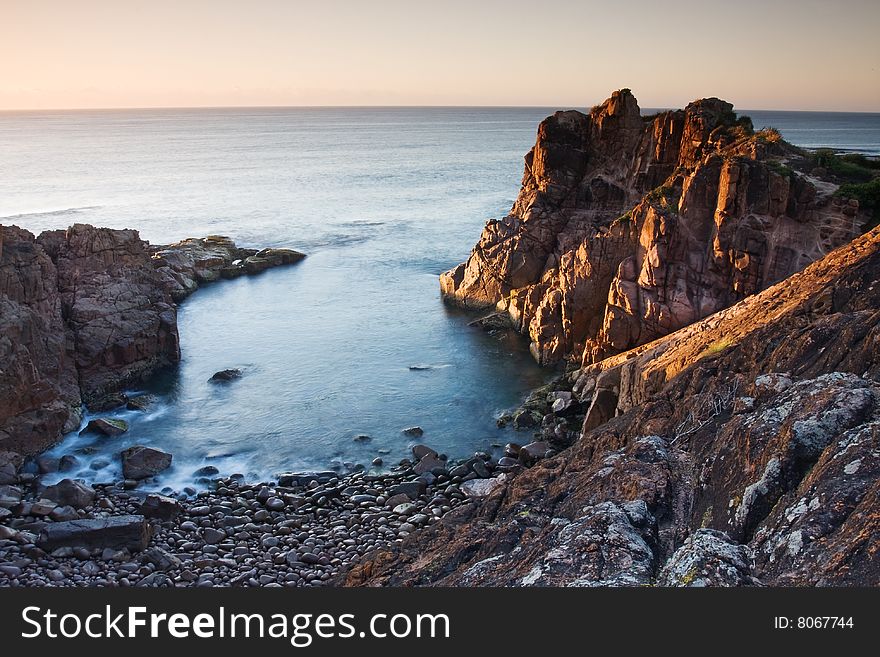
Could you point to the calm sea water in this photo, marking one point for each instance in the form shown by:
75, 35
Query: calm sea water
382, 200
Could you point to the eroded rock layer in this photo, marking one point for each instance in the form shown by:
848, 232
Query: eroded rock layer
628, 228
741, 450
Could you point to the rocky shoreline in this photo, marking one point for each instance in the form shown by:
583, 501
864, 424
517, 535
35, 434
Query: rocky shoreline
300, 530
713, 290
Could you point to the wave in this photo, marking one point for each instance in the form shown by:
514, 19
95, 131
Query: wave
50, 213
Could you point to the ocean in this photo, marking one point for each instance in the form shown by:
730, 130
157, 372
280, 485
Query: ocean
381, 199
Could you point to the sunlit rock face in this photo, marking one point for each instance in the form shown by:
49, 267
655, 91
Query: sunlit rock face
627, 228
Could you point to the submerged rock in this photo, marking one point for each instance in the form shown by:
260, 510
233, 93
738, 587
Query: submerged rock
225, 376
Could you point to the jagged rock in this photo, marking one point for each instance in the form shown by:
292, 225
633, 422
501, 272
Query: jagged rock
70, 492
415, 432
117, 533
187, 264
628, 228
139, 462
82, 313
709, 558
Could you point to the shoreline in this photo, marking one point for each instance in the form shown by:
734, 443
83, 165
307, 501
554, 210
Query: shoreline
302, 533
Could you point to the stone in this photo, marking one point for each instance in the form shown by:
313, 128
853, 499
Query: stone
225, 376
67, 463
206, 471
70, 492
213, 536
430, 463
415, 432
117, 532
139, 403
483, 487
412, 489
140, 462
161, 559
533, 452
42, 507
160, 507
480, 469
10, 571
289, 479
420, 451
275, 504
10, 496
62, 513
397, 500
107, 426
47, 464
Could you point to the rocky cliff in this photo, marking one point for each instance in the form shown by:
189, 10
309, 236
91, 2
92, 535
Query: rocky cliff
86, 311
743, 449
628, 228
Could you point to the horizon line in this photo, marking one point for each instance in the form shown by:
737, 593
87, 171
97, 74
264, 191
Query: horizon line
385, 106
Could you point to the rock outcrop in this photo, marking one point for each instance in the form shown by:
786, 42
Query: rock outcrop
86, 311
187, 264
628, 228
740, 450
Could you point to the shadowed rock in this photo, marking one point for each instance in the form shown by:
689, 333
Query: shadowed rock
118, 532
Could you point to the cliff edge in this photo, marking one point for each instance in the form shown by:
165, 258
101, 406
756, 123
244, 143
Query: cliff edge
628, 228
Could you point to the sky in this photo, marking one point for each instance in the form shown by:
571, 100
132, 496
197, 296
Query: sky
758, 54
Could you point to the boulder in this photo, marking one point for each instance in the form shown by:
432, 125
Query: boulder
415, 432
116, 532
139, 462
483, 487
533, 452
160, 507
412, 489
70, 492
420, 451
430, 463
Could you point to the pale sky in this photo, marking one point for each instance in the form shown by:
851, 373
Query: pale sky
758, 54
